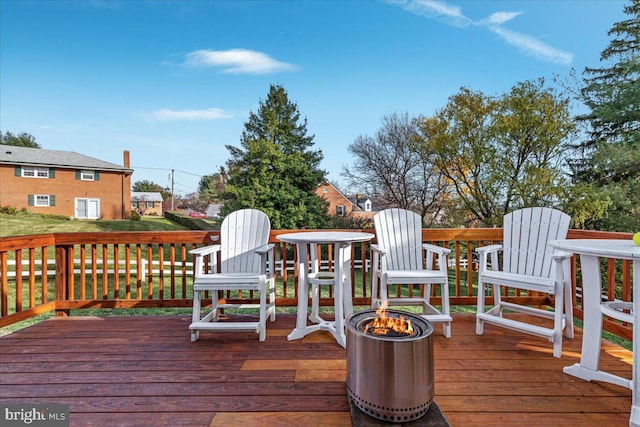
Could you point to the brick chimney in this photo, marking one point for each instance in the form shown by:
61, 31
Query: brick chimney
127, 164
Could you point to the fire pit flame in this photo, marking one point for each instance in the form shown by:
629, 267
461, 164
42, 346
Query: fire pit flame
383, 324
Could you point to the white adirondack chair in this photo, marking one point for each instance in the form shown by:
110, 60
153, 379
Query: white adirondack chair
528, 263
400, 258
244, 256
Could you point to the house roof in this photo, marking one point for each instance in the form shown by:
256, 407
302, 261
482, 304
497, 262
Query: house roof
145, 196
26, 156
330, 184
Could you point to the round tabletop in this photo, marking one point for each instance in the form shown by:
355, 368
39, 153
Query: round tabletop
624, 249
325, 237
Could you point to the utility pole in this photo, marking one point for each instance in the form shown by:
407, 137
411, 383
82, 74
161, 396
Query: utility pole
172, 198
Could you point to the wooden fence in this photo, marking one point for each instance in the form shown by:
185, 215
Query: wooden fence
68, 271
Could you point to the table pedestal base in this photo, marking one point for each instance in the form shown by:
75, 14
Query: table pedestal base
325, 325
587, 374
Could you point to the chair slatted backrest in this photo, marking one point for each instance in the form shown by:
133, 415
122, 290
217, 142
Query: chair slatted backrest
241, 233
399, 231
526, 233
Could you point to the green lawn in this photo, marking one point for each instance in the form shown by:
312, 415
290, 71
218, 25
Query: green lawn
25, 224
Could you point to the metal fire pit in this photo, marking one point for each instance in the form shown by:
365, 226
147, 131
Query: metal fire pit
390, 378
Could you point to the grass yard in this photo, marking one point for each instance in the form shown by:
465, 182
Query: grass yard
25, 224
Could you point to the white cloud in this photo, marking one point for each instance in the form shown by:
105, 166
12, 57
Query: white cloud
534, 46
439, 10
210, 114
498, 18
237, 61
452, 15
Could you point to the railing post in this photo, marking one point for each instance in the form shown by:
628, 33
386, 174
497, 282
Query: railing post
62, 277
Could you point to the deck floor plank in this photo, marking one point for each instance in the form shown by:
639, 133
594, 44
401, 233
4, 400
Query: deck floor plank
145, 371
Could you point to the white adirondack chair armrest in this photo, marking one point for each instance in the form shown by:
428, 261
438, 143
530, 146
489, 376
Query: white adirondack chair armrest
205, 250
561, 255
435, 248
488, 249
379, 249
264, 248
266, 255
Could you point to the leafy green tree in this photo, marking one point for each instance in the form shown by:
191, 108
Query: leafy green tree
21, 140
611, 167
146, 186
501, 153
532, 130
211, 187
276, 170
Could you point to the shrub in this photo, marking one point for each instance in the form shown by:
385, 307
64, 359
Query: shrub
134, 216
55, 216
8, 210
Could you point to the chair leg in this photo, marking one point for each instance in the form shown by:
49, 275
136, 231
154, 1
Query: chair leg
425, 295
215, 311
480, 309
374, 280
272, 298
384, 297
557, 323
195, 315
446, 309
262, 326
497, 298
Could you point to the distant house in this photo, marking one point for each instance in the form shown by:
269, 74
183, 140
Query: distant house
341, 205
147, 203
213, 210
64, 183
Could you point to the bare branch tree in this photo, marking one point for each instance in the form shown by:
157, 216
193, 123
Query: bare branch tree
392, 170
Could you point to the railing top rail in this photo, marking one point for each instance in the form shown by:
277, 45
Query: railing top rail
208, 236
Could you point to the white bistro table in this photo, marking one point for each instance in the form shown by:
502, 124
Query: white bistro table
342, 279
590, 251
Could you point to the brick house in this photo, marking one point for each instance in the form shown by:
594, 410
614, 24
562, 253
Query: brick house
147, 203
341, 205
64, 183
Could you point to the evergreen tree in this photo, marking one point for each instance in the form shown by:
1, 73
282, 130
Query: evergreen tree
276, 170
23, 139
612, 94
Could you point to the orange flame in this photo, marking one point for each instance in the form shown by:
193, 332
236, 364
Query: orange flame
383, 324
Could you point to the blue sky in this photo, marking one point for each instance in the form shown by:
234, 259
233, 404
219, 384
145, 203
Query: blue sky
173, 82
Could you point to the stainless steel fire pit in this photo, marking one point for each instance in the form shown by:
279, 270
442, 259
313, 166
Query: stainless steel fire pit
390, 377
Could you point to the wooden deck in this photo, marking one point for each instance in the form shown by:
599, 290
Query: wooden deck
144, 371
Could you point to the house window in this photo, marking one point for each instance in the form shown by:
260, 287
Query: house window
29, 172
87, 175
150, 205
341, 210
42, 200
134, 205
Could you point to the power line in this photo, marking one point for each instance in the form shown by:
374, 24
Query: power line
169, 170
